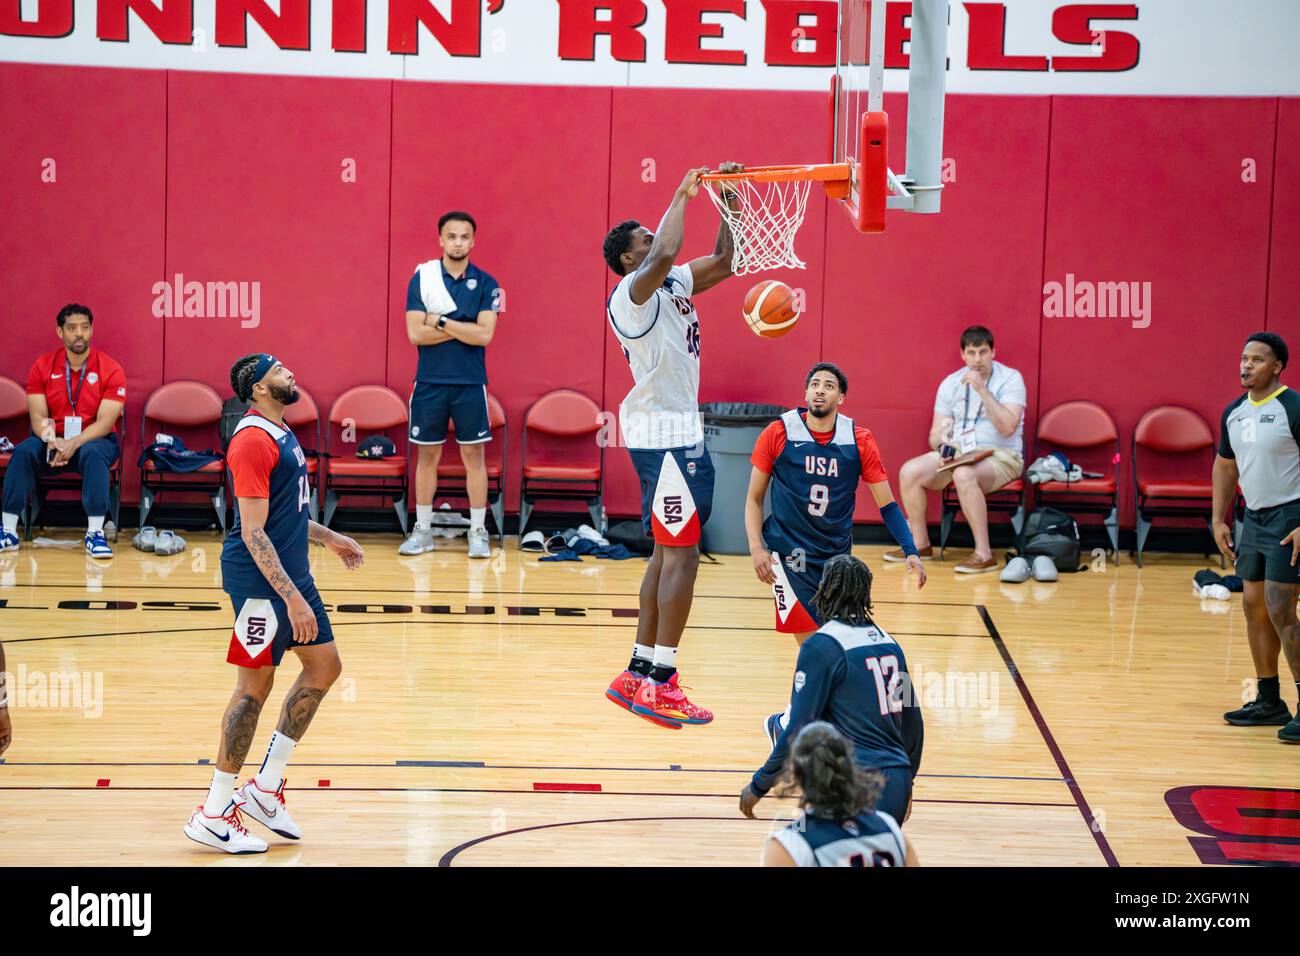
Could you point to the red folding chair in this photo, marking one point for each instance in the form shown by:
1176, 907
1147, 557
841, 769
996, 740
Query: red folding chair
1009, 499
15, 423
191, 411
566, 465
1086, 426
451, 470
368, 409
1169, 430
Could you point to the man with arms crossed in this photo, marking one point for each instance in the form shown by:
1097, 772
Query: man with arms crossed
451, 316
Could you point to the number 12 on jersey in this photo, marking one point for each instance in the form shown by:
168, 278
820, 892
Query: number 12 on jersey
885, 671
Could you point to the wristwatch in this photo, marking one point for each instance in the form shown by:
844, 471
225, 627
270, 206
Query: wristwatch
442, 322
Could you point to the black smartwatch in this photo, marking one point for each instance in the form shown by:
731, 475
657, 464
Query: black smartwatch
442, 322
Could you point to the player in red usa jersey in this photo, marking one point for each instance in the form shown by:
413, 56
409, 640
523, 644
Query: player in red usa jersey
813, 459
265, 570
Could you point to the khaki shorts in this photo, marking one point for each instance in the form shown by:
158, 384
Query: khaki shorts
1007, 467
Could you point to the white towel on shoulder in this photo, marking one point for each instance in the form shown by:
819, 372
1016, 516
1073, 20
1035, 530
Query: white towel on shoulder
433, 291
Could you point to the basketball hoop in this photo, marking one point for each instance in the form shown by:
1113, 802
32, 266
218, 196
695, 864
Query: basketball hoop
770, 205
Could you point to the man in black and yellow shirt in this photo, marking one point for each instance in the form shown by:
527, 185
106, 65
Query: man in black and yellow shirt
1259, 451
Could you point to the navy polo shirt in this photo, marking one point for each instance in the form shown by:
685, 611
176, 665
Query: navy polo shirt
453, 362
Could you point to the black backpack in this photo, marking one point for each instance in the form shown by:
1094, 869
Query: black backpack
1052, 533
232, 410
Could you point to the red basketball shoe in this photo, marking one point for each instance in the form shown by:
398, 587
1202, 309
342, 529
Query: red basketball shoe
622, 689
665, 704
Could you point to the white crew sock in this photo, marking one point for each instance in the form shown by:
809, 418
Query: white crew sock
785, 717
477, 516
665, 657
271, 774
94, 525
642, 653
424, 515
219, 794
11, 523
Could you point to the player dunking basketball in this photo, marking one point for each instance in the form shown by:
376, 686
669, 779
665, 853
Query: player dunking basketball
654, 319
813, 459
264, 569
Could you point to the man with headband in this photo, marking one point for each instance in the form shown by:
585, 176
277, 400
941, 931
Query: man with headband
265, 570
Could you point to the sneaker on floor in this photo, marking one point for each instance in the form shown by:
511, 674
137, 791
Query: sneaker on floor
772, 729
1259, 713
1044, 568
1016, 571
97, 545
1290, 734
226, 833
419, 541
622, 689
666, 705
971, 566
897, 554
267, 808
8, 542
478, 543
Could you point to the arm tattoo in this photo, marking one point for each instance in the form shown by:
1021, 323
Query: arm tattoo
237, 731
268, 562
299, 709
317, 533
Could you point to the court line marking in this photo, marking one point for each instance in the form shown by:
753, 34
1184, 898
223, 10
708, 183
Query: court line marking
441, 620
602, 793
80, 586
1048, 738
481, 765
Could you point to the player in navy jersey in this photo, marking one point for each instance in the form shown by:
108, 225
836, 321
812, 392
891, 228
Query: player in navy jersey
813, 459
265, 570
838, 825
852, 674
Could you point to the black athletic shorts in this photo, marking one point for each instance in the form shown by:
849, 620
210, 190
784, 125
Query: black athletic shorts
1261, 556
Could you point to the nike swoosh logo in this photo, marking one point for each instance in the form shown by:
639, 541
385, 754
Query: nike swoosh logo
269, 813
56, 376
223, 839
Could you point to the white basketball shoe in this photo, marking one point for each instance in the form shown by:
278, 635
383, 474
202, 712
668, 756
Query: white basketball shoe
226, 833
267, 808
420, 541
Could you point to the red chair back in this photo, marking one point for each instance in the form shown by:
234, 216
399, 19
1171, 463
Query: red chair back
1173, 430
13, 400
369, 407
563, 413
302, 412
1077, 425
183, 403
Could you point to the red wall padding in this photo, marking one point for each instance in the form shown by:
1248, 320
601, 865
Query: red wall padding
240, 178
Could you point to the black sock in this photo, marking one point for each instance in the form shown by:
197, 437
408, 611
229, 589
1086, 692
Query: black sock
662, 675
1269, 690
639, 667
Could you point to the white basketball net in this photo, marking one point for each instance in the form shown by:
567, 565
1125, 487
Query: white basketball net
764, 223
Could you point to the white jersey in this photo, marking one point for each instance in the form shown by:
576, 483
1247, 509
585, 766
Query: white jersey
869, 839
661, 341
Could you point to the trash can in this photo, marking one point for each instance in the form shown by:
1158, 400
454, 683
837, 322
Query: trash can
730, 431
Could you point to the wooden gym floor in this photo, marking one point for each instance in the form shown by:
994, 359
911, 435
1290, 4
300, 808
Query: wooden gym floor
470, 726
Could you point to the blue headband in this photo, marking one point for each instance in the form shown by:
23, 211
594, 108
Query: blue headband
265, 362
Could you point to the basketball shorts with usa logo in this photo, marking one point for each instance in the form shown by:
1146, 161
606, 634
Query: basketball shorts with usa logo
798, 575
263, 631
676, 492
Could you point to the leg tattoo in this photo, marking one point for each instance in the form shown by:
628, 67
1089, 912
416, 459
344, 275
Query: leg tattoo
299, 708
237, 731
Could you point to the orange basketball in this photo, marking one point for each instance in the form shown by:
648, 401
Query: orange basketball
770, 309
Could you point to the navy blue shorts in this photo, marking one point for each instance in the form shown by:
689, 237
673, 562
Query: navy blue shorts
263, 631
676, 492
798, 575
897, 792
433, 406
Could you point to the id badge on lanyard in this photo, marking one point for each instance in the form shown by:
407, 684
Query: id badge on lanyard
72, 423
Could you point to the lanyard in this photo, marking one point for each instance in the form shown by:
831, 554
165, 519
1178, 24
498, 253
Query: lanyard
67, 381
965, 411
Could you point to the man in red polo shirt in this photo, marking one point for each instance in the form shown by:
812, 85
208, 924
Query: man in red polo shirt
74, 397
